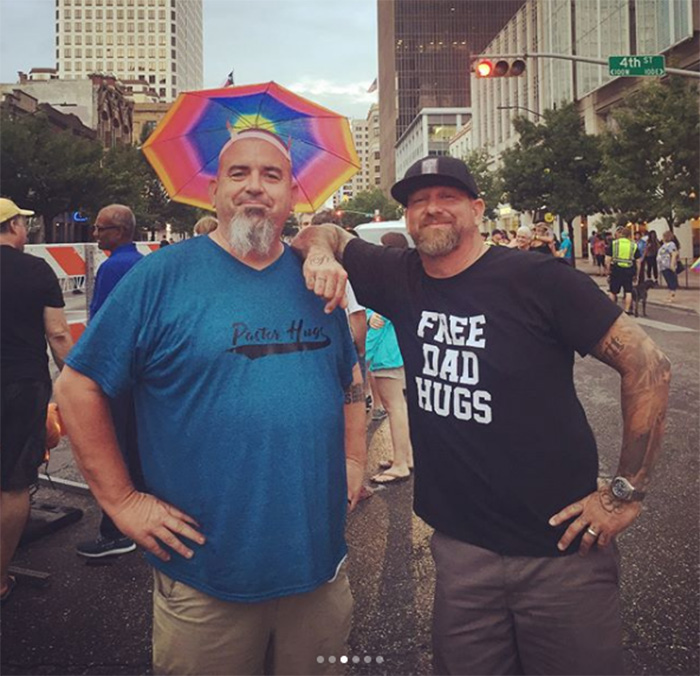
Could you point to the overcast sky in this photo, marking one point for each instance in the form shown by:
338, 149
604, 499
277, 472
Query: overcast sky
323, 49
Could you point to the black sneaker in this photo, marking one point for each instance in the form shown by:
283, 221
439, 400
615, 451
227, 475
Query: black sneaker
95, 549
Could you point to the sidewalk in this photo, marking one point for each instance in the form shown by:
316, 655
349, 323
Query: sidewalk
687, 296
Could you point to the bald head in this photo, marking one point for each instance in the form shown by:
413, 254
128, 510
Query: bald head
122, 216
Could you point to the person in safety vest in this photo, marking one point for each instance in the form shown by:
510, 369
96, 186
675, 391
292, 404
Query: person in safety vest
621, 259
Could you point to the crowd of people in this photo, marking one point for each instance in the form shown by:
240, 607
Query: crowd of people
241, 511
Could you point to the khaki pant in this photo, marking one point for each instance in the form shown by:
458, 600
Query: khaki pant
194, 633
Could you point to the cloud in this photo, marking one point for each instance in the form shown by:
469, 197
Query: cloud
353, 92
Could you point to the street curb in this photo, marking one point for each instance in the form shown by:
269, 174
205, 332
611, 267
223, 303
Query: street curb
67, 484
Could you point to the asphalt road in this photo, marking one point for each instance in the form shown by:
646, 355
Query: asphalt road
95, 619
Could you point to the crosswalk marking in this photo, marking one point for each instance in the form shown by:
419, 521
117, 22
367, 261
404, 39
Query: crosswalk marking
663, 326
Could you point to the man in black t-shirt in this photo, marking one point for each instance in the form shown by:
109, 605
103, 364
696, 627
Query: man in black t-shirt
489, 333
31, 310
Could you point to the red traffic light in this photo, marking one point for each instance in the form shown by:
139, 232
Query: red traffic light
483, 68
502, 68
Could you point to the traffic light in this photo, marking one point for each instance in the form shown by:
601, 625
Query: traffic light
502, 68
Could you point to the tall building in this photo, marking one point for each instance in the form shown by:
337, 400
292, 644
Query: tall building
159, 41
424, 59
365, 136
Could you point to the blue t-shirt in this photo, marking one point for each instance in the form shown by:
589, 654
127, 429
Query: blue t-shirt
565, 247
382, 346
238, 377
111, 271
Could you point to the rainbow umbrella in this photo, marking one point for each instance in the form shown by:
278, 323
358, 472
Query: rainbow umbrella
184, 147
695, 267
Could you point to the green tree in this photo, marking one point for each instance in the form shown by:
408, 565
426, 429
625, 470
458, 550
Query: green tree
651, 155
366, 203
46, 170
552, 166
488, 180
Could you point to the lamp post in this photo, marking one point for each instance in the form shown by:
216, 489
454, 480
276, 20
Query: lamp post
534, 112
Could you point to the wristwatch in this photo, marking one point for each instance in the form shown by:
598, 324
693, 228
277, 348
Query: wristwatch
623, 490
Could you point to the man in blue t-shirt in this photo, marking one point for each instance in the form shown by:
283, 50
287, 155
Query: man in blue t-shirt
114, 230
488, 337
251, 433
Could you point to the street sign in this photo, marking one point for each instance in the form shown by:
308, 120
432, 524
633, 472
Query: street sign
633, 66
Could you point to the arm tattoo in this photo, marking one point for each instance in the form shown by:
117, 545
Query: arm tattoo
354, 394
646, 377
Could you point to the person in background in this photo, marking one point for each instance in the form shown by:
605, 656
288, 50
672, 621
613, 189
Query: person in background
251, 432
667, 259
31, 313
599, 247
205, 225
522, 240
543, 239
651, 250
621, 259
114, 231
389, 382
305, 220
566, 249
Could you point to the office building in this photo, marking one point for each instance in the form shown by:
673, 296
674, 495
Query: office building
424, 60
159, 41
365, 136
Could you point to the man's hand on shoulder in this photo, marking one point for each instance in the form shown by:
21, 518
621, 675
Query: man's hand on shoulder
599, 516
151, 522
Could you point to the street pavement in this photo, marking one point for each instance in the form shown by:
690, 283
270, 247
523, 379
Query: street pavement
95, 618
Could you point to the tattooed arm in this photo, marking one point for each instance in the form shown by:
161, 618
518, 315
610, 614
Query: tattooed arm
355, 437
646, 376
320, 246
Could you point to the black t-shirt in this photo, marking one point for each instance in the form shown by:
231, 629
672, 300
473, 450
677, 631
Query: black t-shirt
27, 286
500, 438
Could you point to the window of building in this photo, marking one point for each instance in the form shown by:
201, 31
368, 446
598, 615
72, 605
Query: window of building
78, 40
67, 26
88, 39
88, 52
67, 52
78, 14
88, 14
67, 66
161, 92
99, 52
78, 53
109, 14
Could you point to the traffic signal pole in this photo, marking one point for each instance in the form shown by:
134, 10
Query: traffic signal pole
576, 58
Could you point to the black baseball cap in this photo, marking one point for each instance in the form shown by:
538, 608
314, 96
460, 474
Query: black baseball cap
430, 171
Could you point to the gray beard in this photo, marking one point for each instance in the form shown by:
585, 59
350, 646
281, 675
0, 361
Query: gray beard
250, 232
437, 243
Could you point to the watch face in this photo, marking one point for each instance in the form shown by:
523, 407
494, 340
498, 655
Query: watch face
621, 488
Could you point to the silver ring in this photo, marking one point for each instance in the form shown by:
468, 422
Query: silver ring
590, 531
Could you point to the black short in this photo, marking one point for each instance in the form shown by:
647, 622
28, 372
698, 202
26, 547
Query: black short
22, 432
621, 278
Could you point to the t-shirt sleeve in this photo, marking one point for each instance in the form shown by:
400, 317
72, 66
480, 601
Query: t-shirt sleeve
353, 305
111, 348
53, 296
582, 313
377, 274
